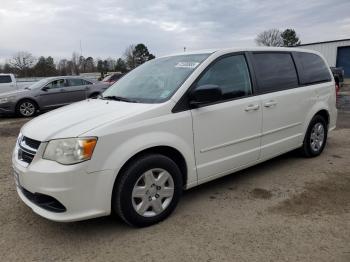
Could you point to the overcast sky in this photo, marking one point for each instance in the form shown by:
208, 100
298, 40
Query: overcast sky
107, 27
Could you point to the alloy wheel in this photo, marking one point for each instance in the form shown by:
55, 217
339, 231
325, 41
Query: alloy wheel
27, 109
317, 137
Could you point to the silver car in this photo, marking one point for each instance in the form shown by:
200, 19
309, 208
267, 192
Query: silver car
49, 93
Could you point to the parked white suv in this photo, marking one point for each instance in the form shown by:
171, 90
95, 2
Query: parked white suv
171, 124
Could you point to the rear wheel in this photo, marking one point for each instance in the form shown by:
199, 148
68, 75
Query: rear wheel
26, 108
316, 137
148, 190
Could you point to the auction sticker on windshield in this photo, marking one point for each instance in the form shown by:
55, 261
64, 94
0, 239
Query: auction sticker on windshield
187, 64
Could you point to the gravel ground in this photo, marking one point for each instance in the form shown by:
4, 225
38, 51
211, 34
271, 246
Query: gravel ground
287, 209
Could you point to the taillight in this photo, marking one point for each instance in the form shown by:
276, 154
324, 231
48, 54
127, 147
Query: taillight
336, 92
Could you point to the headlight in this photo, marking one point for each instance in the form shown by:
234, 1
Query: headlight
70, 151
19, 138
4, 100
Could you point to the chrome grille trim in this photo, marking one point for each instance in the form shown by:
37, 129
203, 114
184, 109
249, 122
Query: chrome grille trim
26, 153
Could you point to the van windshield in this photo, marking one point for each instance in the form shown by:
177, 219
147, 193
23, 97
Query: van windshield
154, 81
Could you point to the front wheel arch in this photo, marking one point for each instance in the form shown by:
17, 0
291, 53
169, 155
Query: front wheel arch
167, 151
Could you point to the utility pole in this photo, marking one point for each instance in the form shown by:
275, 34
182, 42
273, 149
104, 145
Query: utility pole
81, 50
184, 48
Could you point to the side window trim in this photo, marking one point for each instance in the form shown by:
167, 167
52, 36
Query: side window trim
183, 103
296, 68
250, 63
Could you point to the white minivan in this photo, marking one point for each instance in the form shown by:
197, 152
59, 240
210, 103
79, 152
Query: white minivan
171, 124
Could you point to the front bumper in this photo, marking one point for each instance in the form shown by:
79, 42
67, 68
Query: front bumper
7, 108
84, 195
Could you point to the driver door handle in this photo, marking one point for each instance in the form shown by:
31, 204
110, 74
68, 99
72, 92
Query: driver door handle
252, 108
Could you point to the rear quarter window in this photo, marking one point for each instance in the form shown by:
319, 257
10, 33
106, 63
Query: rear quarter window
75, 82
85, 82
275, 72
311, 68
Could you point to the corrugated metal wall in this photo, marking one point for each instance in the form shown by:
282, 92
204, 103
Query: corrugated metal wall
328, 50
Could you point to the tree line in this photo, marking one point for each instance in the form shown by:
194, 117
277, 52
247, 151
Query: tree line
24, 64
275, 37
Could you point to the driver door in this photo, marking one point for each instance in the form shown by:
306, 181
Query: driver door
53, 95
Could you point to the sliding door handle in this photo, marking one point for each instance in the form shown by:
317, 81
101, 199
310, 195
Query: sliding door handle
252, 108
270, 104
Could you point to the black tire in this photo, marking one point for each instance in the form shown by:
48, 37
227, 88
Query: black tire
122, 201
30, 104
307, 150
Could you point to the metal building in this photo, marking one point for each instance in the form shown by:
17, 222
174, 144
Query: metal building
337, 53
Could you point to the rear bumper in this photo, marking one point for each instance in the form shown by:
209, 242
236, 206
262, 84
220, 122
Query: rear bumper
333, 119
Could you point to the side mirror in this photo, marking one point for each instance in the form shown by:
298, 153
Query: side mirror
205, 94
45, 88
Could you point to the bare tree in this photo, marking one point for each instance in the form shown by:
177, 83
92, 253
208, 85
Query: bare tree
130, 58
22, 62
271, 37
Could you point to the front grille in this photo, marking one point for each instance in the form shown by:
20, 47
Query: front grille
25, 156
27, 149
31, 142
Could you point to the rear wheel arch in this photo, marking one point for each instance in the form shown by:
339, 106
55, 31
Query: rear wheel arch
319, 109
324, 113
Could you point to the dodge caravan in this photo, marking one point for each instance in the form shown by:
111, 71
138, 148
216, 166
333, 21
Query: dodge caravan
171, 124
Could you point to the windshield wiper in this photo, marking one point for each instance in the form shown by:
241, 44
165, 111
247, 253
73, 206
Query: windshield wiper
119, 98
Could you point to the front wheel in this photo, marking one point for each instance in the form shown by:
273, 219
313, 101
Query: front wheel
26, 108
315, 138
148, 190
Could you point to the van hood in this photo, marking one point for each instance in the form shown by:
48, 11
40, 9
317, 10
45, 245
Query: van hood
78, 118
